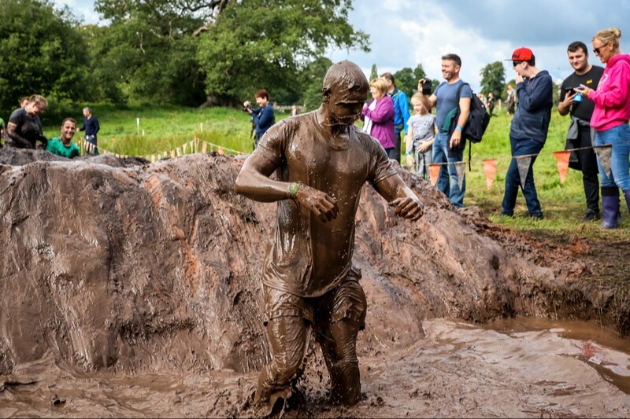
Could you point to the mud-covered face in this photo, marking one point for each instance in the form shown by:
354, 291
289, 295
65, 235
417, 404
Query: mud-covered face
345, 106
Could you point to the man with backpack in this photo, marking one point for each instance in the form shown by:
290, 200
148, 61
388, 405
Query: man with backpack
401, 107
453, 97
528, 131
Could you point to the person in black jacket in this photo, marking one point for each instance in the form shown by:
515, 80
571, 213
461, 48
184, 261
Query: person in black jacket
528, 131
91, 128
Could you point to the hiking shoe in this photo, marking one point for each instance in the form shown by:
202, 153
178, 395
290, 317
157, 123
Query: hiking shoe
592, 216
538, 217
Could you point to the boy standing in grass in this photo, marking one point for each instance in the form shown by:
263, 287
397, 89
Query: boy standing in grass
528, 131
422, 130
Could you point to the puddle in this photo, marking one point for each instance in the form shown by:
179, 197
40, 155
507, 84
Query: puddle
601, 348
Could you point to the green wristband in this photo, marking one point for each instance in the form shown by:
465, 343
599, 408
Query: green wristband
293, 189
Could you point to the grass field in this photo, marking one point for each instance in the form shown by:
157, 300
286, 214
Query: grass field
166, 128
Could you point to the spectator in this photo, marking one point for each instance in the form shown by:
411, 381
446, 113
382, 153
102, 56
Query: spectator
510, 102
25, 128
579, 135
378, 117
528, 131
401, 107
294, 111
445, 149
23, 102
422, 130
63, 145
490, 103
610, 120
263, 116
91, 128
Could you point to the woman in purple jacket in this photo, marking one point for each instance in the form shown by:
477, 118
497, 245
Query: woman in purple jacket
378, 116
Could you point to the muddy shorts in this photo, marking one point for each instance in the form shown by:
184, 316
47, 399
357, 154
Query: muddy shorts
347, 301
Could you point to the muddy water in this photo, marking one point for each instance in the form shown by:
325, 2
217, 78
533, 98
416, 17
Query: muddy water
512, 368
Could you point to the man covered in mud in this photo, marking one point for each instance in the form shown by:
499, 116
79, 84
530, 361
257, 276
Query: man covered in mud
322, 161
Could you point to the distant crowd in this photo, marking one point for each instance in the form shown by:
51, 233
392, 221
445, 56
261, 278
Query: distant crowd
24, 129
596, 98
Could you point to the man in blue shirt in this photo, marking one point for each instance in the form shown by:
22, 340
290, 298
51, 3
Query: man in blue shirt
448, 151
528, 131
401, 106
91, 128
263, 117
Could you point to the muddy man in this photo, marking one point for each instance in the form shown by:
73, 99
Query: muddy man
322, 161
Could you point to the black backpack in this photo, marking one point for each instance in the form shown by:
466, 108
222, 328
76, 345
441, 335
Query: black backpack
478, 119
477, 124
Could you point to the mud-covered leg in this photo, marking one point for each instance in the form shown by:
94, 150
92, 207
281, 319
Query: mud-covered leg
339, 349
288, 341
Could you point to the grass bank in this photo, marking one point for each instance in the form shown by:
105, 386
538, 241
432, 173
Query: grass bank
167, 128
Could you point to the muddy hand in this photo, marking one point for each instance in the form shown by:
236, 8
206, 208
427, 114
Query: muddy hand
320, 203
408, 208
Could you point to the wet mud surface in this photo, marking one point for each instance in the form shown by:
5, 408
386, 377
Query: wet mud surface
129, 289
520, 369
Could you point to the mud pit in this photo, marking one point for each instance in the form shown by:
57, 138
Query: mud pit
133, 289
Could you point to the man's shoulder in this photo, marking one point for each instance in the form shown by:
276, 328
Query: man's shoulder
53, 144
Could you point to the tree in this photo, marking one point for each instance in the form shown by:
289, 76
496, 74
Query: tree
42, 52
407, 79
181, 51
493, 78
373, 73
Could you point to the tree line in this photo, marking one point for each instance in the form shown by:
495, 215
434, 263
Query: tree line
182, 52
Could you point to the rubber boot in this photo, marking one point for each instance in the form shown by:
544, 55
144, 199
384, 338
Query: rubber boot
610, 205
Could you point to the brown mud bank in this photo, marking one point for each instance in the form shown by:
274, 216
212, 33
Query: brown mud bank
119, 266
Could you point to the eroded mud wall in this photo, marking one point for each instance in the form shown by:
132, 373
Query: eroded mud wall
117, 264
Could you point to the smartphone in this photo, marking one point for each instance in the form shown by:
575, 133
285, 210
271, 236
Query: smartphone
426, 88
572, 90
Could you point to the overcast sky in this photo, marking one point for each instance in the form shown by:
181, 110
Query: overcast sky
404, 33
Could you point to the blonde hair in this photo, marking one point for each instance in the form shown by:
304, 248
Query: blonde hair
417, 97
611, 35
40, 100
380, 84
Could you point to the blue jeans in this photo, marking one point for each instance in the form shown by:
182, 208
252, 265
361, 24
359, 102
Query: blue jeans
522, 147
619, 137
440, 155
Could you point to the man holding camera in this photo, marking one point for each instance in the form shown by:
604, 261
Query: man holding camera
580, 135
445, 149
263, 117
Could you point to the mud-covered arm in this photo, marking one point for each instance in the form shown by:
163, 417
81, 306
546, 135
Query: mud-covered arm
253, 182
12, 133
398, 194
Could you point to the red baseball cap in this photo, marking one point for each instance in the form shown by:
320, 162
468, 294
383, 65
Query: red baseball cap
522, 54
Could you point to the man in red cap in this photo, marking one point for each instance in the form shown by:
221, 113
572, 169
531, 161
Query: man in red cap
528, 131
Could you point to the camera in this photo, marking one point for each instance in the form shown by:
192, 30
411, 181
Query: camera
247, 108
426, 88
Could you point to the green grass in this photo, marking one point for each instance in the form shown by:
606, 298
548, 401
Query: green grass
563, 204
166, 128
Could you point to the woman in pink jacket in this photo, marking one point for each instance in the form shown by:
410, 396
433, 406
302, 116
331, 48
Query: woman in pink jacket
610, 121
378, 116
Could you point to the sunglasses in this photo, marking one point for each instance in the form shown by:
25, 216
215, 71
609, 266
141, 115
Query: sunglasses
596, 50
